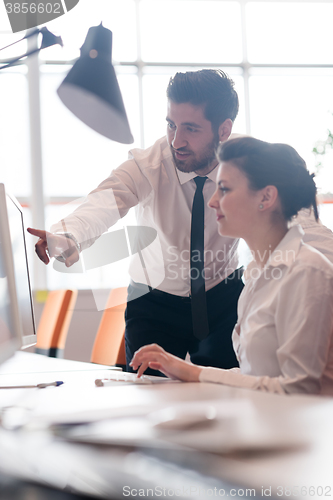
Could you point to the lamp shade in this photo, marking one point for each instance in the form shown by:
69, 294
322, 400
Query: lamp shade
91, 91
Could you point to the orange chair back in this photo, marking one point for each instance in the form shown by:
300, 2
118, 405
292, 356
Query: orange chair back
109, 345
54, 323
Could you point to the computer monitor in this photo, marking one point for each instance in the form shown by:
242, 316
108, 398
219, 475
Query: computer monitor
11, 211
10, 327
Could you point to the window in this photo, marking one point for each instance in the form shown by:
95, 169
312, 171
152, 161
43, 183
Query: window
14, 131
200, 31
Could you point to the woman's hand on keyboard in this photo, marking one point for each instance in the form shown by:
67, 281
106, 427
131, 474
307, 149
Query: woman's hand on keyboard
155, 357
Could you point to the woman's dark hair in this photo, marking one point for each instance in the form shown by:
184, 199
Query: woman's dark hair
279, 165
208, 87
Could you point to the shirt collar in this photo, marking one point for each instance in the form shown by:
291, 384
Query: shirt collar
288, 248
284, 254
185, 177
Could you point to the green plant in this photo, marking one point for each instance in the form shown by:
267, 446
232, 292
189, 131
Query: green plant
321, 148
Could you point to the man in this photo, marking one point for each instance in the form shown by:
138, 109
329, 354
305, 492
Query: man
170, 184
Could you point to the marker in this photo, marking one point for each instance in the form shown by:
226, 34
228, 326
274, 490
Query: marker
38, 386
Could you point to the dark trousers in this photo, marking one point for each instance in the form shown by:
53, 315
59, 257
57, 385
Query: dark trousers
165, 319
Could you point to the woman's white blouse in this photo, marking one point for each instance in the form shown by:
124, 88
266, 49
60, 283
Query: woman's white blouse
283, 337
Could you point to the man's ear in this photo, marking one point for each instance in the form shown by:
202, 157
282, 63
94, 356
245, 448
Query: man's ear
269, 197
225, 130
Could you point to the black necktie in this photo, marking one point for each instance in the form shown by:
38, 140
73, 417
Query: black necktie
198, 293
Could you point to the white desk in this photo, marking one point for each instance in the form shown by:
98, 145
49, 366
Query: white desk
258, 441
26, 362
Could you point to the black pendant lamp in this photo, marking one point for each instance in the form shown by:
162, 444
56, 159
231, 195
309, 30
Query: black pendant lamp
91, 90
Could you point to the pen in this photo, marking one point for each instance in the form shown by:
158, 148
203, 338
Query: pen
38, 386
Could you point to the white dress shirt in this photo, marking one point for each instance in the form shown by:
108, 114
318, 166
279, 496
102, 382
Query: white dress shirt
163, 197
283, 337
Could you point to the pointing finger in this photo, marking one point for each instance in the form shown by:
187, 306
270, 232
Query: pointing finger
37, 232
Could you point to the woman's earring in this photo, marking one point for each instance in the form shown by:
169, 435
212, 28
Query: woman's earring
261, 206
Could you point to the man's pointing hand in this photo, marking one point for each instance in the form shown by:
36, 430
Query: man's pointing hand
54, 245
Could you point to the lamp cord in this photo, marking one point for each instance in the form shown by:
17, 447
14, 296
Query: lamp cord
35, 32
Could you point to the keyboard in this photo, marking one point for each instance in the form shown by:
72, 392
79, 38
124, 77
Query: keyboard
130, 378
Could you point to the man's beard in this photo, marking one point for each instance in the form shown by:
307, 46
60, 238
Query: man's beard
196, 163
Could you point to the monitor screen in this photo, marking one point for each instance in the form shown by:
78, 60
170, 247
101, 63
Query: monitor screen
21, 271
10, 327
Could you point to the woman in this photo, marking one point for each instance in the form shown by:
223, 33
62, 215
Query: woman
283, 337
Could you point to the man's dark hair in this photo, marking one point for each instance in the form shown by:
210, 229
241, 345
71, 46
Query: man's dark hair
208, 87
